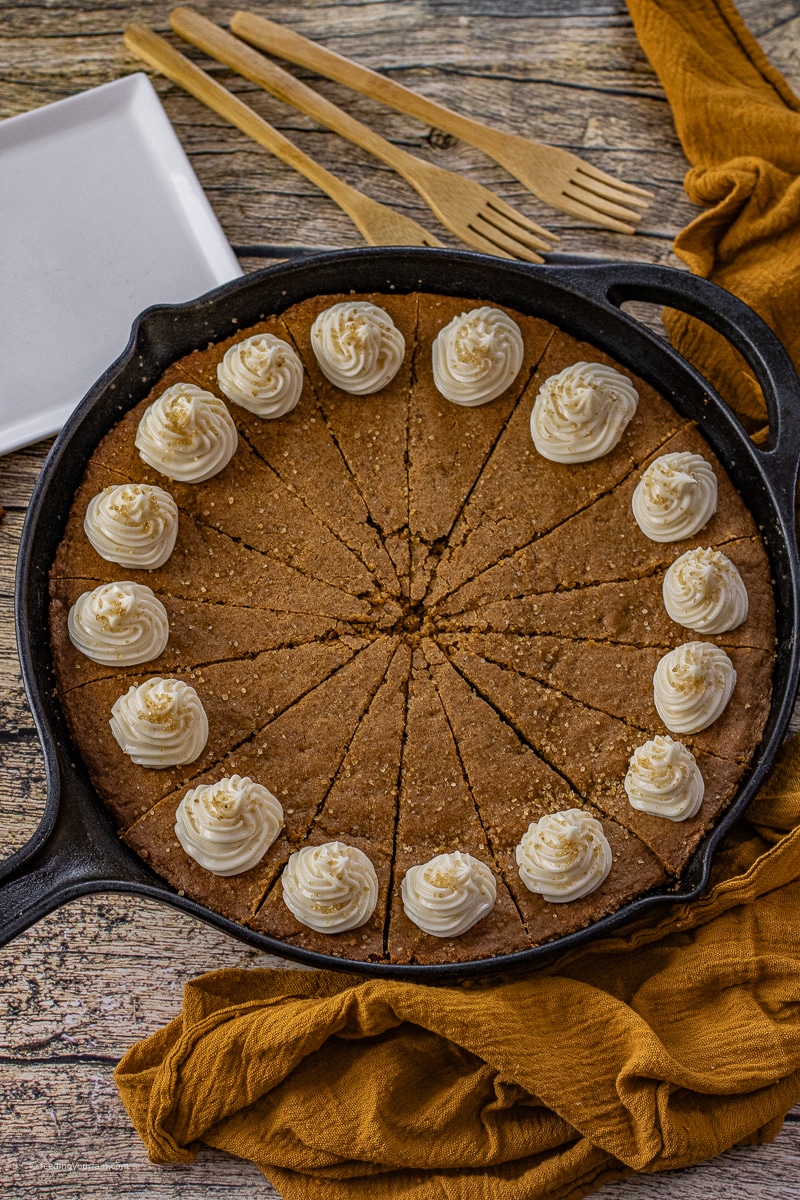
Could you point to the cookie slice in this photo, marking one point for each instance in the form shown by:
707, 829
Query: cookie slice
437, 815
360, 809
370, 431
512, 787
238, 697
423, 563
604, 543
448, 443
296, 756
520, 494
631, 612
299, 448
592, 751
199, 632
618, 680
252, 504
398, 546
248, 501
229, 570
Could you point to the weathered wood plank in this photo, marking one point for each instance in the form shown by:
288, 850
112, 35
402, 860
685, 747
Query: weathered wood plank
18, 474
558, 76
95, 977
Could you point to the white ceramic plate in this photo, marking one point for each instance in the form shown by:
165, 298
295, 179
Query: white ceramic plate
101, 215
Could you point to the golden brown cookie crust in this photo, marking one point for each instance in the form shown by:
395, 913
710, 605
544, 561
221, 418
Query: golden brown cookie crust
418, 633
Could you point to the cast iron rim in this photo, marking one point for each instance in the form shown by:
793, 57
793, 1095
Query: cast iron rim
75, 850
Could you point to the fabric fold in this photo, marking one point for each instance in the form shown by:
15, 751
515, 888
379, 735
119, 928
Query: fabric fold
649, 1050
739, 124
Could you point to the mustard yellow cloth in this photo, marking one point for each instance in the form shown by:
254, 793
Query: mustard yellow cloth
648, 1051
739, 124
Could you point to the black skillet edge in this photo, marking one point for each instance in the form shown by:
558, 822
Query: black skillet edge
75, 850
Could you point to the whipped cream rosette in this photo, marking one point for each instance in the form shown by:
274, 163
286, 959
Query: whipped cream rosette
161, 723
704, 591
449, 894
692, 686
134, 524
564, 856
581, 413
187, 434
228, 826
477, 356
331, 888
358, 346
119, 623
676, 497
262, 374
664, 780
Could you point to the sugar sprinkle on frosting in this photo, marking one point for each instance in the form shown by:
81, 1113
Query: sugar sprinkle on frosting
477, 356
119, 624
330, 888
358, 346
448, 895
228, 826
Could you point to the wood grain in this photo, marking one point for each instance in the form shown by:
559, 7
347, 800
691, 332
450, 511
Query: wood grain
90, 979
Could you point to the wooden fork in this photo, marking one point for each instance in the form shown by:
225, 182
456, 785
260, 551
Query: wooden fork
379, 225
468, 209
559, 178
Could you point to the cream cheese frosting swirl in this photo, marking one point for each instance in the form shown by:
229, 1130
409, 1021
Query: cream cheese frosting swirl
331, 888
161, 723
582, 412
704, 591
664, 780
692, 686
676, 497
564, 856
477, 356
187, 434
228, 826
134, 524
119, 623
263, 374
358, 346
449, 894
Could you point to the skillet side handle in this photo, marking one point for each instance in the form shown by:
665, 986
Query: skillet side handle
744, 329
70, 855
39, 878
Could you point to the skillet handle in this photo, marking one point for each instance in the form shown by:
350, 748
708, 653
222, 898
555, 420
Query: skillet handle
615, 283
73, 853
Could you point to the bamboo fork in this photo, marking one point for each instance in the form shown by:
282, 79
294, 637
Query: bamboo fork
559, 178
379, 225
468, 209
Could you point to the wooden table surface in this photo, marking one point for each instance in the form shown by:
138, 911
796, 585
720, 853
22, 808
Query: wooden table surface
90, 979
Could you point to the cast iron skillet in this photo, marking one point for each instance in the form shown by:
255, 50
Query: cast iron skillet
76, 851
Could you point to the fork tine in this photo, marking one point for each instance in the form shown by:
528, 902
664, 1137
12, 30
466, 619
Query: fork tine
500, 242
477, 241
577, 209
583, 196
501, 223
512, 214
619, 185
598, 188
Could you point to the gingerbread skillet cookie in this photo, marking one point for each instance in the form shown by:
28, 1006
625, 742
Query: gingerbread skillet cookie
407, 628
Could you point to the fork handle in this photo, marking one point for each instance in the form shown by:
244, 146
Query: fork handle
277, 39
222, 46
170, 62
